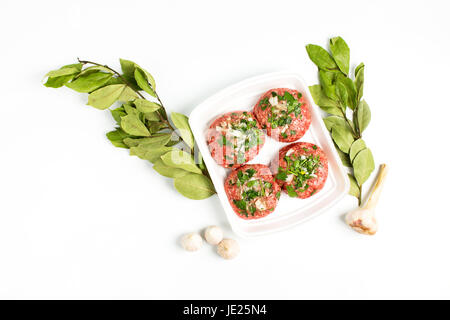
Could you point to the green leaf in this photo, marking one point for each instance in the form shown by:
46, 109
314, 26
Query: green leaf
356, 147
320, 57
363, 115
167, 171
201, 162
149, 152
156, 141
350, 91
146, 106
359, 80
148, 77
334, 120
93, 69
343, 137
116, 137
133, 125
128, 94
128, 68
344, 157
65, 70
58, 82
341, 53
118, 113
151, 116
327, 80
354, 188
58, 78
180, 159
143, 83
155, 126
325, 103
363, 165
129, 109
77, 66
335, 111
89, 82
182, 123
104, 97
129, 73
194, 186
341, 92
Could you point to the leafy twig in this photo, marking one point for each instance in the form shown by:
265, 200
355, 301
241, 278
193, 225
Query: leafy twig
139, 130
334, 94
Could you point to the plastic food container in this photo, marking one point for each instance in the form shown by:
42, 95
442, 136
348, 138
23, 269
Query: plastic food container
290, 211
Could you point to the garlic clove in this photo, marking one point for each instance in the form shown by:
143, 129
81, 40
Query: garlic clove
192, 241
228, 249
213, 235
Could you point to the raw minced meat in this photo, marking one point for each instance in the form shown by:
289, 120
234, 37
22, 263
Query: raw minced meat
235, 138
284, 113
301, 169
252, 191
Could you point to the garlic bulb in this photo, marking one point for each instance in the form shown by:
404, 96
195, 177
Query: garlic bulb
228, 248
363, 219
213, 235
191, 241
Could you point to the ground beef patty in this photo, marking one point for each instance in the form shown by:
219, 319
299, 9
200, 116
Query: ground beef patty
284, 113
235, 138
301, 169
252, 191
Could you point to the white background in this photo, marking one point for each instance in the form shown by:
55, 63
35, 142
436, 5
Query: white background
80, 218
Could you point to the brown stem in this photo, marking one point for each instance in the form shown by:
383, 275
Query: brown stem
360, 195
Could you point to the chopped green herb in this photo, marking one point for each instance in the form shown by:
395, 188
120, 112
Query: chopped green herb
302, 168
250, 172
252, 183
241, 204
291, 192
279, 117
282, 175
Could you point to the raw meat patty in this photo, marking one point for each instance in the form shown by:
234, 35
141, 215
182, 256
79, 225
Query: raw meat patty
235, 138
284, 113
301, 169
252, 191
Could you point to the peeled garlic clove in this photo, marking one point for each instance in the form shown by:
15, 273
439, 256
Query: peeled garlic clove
191, 241
228, 248
213, 235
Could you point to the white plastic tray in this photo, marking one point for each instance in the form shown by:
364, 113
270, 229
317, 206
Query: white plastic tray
290, 211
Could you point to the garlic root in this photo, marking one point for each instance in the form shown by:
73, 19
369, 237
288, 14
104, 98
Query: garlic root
363, 219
